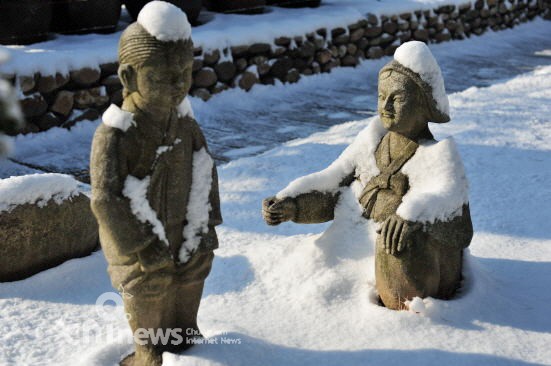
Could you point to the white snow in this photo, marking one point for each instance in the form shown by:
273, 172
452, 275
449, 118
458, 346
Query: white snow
37, 189
166, 148
136, 190
185, 109
198, 207
358, 158
417, 57
165, 21
117, 118
438, 185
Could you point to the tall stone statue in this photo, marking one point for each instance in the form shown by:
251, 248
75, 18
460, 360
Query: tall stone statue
155, 186
411, 185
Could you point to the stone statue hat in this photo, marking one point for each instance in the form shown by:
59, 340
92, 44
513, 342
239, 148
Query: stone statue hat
159, 25
414, 60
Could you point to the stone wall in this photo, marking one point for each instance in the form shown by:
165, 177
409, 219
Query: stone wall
63, 100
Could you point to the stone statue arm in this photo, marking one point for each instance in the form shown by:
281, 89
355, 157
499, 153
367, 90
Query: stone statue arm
112, 209
307, 208
215, 214
457, 232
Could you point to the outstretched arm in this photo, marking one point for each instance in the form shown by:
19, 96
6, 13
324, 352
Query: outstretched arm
306, 208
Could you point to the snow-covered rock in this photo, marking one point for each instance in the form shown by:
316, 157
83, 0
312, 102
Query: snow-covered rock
44, 221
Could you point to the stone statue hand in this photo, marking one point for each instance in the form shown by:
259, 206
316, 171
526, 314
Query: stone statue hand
275, 210
397, 233
155, 257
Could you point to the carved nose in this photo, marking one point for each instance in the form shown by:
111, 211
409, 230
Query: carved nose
388, 105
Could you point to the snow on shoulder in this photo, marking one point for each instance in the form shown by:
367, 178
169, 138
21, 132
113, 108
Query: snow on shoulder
184, 109
117, 118
417, 57
438, 185
165, 21
36, 189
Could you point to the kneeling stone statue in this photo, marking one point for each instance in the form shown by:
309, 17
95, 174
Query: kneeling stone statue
411, 185
155, 187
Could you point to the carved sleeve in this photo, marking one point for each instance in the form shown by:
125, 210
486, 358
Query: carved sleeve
456, 233
317, 207
123, 231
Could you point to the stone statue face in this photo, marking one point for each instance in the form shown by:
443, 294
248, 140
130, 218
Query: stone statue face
163, 81
401, 105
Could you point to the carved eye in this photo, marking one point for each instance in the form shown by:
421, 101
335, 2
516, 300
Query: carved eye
381, 97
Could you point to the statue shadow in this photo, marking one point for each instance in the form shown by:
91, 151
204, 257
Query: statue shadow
503, 292
247, 350
228, 274
81, 281
77, 281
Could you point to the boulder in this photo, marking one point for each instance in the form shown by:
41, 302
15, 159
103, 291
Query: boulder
44, 221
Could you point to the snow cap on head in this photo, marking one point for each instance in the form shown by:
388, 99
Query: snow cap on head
165, 21
415, 60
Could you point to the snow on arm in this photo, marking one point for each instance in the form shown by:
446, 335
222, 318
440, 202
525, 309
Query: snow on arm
438, 185
165, 21
136, 190
358, 158
184, 109
36, 189
117, 118
416, 56
198, 207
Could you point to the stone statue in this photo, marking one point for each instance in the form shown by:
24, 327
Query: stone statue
412, 186
155, 186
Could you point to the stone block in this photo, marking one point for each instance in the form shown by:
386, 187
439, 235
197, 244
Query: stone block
34, 238
63, 103
33, 105
247, 80
86, 76
225, 71
205, 78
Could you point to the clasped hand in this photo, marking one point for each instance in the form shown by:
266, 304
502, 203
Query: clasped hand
396, 234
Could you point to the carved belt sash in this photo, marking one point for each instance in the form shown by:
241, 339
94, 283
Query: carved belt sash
387, 179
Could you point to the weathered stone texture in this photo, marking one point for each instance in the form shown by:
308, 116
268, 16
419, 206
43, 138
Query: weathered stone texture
37, 238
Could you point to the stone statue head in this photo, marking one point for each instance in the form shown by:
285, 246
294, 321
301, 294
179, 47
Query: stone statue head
156, 56
410, 97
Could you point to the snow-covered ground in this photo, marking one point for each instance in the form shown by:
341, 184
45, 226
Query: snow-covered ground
303, 294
